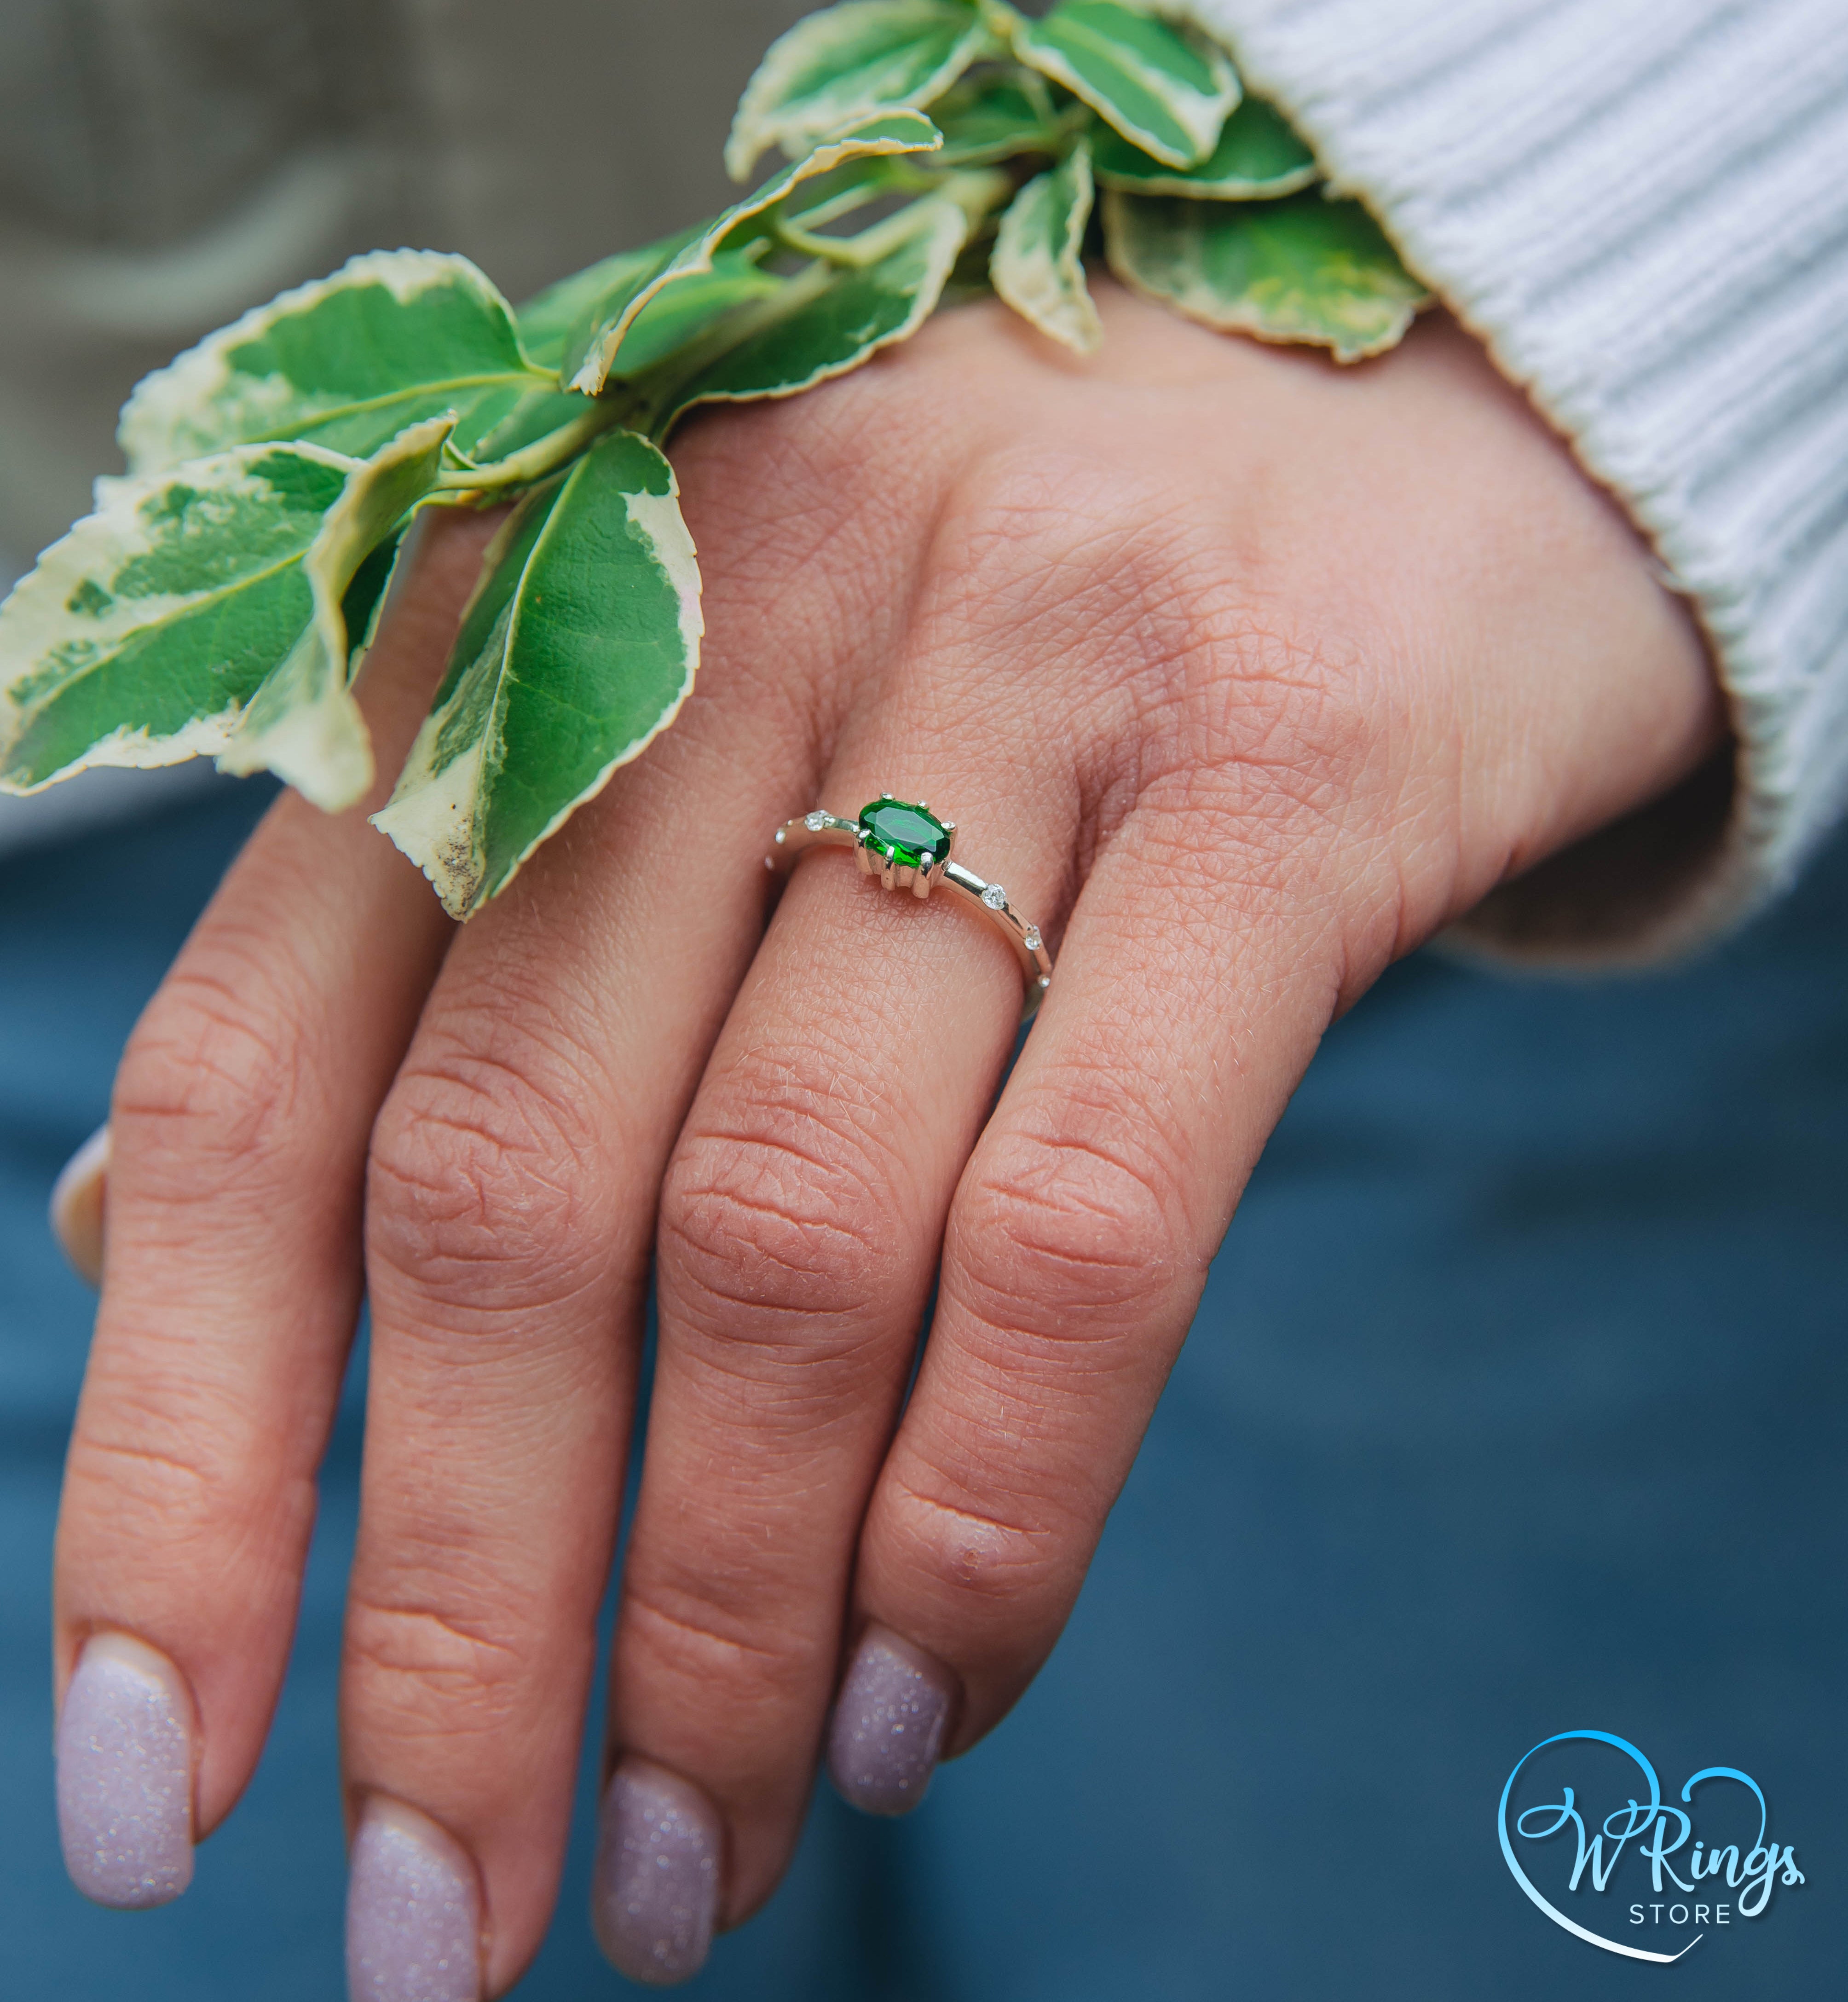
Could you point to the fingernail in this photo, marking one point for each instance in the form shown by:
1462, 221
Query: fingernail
889, 1724
413, 1910
654, 1890
77, 1197
125, 1775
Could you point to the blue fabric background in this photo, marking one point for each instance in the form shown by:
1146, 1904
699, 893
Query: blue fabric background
1514, 1406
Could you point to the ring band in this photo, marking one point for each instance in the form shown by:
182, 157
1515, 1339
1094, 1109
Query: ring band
908, 847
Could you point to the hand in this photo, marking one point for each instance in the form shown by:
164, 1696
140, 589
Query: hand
1243, 673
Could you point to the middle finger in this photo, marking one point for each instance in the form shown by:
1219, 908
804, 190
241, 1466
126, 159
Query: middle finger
801, 1220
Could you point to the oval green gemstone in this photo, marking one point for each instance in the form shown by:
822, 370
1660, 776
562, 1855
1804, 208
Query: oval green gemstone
913, 838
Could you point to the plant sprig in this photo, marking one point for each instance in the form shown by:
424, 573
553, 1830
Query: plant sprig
221, 596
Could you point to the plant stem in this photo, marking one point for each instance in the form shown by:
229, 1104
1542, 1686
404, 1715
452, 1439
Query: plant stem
543, 455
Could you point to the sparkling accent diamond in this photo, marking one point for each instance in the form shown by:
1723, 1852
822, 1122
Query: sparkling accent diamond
995, 897
815, 822
1033, 938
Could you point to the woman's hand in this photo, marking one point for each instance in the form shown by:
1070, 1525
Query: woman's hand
1243, 673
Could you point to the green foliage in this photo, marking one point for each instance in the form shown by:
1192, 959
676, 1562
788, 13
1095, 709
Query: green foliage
1164, 87
717, 257
1257, 155
837, 66
579, 645
221, 596
1303, 269
391, 339
1038, 265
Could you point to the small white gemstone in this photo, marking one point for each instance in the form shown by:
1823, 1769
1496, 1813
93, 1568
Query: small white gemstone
1033, 938
815, 822
995, 897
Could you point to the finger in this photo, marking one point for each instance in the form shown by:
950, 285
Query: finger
231, 1284
1076, 1248
511, 1220
800, 1226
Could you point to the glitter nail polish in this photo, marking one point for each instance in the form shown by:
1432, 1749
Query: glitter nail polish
413, 1910
125, 1775
888, 1725
654, 1892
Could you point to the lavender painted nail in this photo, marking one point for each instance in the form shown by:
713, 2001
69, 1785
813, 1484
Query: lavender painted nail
889, 1724
125, 1775
413, 1910
655, 1893
77, 1203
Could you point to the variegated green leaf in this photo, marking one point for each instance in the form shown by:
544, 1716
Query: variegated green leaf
139, 637
564, 318
579, 646
1303, 269
302, 723
1258, 157
547, 320
834, 67
391, 339
1162, 84
1038, 264
991, 116
591, 359
831, 319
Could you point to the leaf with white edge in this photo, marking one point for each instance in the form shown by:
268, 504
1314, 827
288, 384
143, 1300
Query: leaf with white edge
347, 362
1303, 269
681, 312
1038, 264
302, 723
591, 359
989, 116
1162, 84
507, 420
578, 648
1259, 157
566, 319
141, 636
548, 319
833, 68
829, 321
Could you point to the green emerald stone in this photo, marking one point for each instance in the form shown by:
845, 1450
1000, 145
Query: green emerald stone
909, 836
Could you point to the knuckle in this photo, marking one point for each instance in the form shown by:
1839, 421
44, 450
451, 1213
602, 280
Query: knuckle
701, 1637
424, 1670
1201, 674
1066, 1235
772, 1227
1061, 552
209, 1091
483, 1178
195, 1494
986, 1559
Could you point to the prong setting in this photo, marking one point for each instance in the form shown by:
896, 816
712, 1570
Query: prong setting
909, 848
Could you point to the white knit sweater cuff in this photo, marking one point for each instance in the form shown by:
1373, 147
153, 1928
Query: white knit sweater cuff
1641, 206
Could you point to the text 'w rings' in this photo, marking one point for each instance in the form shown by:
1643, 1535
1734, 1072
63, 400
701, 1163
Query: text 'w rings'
908, 848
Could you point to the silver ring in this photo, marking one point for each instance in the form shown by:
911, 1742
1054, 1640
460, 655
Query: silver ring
908, 847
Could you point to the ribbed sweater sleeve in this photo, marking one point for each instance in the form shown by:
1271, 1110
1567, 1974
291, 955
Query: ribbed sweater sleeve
1641, 206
